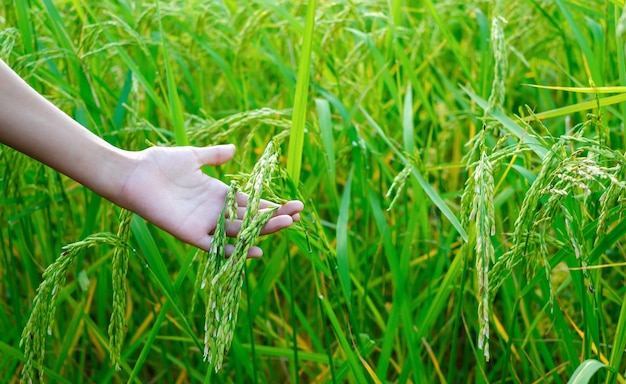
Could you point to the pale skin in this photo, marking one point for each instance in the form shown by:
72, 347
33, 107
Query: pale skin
164, 185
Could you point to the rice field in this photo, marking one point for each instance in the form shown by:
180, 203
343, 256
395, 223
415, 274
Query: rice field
462, 165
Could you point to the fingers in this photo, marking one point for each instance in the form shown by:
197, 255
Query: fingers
215, 155
283, 218
291, 208
242, 200
253, 253
275, 224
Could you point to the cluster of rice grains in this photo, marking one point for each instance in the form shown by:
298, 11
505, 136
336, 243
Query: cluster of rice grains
41, 320
577, 178
478, 215
478, 201
222, 278
573, 174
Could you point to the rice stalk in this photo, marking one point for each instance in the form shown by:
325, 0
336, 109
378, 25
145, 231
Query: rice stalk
501, 66
477, 198
211, 262
613, 196
399, 182
225, 276
483, 214
398, 185
41, 320
566, 175
119, 267
203, 129
8, 39
478, 217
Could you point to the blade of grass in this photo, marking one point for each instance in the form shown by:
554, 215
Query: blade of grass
221, 61
342, 249
619, 343
133, 66
592, 60
621, 65
427, 317
608, 241
390, 331
14, 353
70, 338
592, 90
56, 23
144, 238
326, 131
120, 109
149, 341
415, 80
383, 65
582, 106
24, 24
585, 371
351, 354
296, 139
288, 353
407, 122
159, 272
175, 108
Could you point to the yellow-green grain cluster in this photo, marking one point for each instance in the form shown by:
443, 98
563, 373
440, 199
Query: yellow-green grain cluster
41, 321
224, 277
483, 215
574, 170
398, 185
499, 47
119, 268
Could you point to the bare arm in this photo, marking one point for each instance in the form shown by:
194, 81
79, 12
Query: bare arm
32, 125
163, 185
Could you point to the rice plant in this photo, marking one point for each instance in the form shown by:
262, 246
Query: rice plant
41, 321
225, 277
461, 165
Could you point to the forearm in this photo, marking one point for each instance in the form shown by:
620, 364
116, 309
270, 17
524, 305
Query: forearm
32, 125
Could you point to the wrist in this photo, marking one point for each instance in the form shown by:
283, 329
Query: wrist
122, 167
111, 168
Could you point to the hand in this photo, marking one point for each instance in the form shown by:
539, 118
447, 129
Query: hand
167, 187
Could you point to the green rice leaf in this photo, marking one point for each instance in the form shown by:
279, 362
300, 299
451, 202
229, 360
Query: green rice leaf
296, 139
176, 110
407, 121
342, 251
585, 371
326, 131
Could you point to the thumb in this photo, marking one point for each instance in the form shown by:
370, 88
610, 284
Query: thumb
215, 155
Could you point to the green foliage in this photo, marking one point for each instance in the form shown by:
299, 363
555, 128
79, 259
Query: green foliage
447, 204
585, 371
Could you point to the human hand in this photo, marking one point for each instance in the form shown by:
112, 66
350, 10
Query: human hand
166, 186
